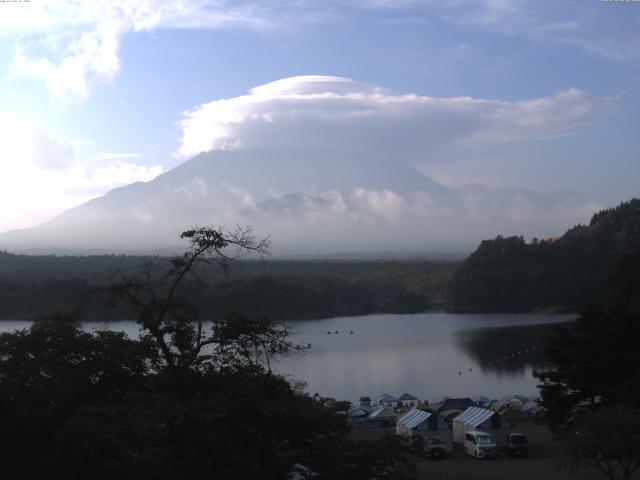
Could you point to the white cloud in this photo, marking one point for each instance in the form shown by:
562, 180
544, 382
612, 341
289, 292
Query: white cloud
382, 220
117, 155
383, 203
77, 42
317, 112
40, 176
82, 39
599, 28
72, 44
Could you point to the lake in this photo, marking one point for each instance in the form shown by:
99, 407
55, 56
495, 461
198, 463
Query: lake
426, 354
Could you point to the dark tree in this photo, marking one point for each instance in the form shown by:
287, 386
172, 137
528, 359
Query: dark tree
173, 324
592, 394
605, 440
564, 273
51, 371
186, 400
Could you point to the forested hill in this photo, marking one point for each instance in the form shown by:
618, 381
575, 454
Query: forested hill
32, 286
566, 273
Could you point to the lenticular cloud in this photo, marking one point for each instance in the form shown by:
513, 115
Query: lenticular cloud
334, 113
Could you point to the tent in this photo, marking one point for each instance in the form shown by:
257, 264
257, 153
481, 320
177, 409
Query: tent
382, 416
387, 400
407, 400
358, 415
514, 400
446, 403
425, 424
481, 401
478, 418
447, 416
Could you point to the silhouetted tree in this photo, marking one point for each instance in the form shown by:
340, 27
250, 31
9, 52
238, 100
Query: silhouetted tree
183, 401
173, 324
592, 394
606, 440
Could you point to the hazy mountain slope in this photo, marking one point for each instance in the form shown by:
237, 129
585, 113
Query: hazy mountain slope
308, 203
211, 189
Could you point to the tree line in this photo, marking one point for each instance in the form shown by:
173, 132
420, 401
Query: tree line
562, 274
31, 286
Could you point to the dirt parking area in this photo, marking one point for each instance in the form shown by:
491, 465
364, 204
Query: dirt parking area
543, 463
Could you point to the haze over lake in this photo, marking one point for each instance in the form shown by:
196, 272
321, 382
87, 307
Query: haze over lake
426, 354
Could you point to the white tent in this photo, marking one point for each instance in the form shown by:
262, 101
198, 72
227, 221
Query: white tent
426, 424
477, 418
383, 416
407, 400
387, 400
358, 411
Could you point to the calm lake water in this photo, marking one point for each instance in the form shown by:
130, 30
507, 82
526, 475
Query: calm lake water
427, 354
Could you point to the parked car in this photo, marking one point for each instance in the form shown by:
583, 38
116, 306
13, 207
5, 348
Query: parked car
517, 445
434, 448
479, 444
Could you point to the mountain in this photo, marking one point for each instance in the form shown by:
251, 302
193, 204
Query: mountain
309, 203
214, 188
566, 273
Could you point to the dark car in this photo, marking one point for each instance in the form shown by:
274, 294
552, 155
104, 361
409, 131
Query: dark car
434, 448
517, 445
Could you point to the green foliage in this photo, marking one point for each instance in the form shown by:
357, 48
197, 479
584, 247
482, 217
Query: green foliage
606, 440
598, 358
593, 392
50, 371
178, 403
31, 286
567, 273
292, 297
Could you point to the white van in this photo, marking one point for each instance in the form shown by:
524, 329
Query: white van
479, 444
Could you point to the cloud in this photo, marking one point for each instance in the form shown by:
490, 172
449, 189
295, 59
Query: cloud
599, 28
384, 220
117, 155
40, 175
320, 112
72, 45
78, 42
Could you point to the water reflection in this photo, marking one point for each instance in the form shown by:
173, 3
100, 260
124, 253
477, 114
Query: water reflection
506, 350
427, 355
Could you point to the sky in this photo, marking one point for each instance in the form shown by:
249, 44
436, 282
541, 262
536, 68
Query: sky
542, 96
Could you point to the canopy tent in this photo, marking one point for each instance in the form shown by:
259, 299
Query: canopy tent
426, 424
478, 418
387, 400
382, 416
407, 400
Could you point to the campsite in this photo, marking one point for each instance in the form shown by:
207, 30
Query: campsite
449, 418
545, 460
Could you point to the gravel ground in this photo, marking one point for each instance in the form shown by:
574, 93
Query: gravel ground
543, 462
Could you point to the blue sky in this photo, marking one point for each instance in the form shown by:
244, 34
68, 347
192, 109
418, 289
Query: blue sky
92, 95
